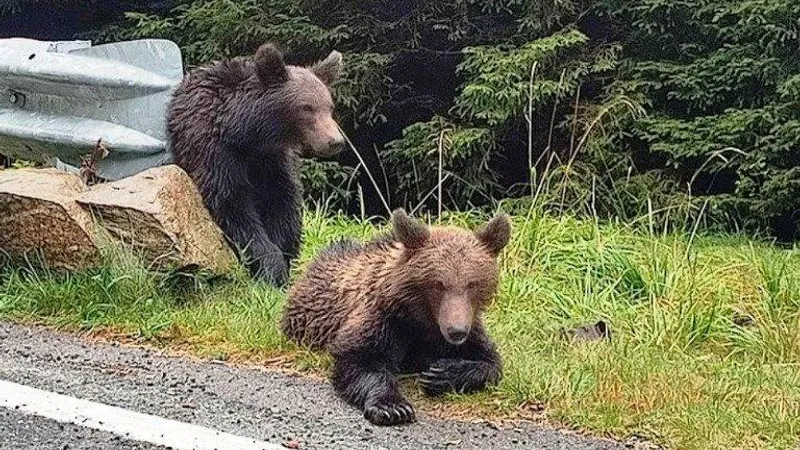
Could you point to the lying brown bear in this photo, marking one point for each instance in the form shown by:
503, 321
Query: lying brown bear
410, 302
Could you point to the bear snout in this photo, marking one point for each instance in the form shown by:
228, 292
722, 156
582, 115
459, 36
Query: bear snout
455, 319
336, 145
326, 139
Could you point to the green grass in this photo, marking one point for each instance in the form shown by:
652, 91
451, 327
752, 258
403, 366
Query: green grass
705, 353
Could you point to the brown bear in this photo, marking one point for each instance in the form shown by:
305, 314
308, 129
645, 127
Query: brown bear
409, 302
238, 127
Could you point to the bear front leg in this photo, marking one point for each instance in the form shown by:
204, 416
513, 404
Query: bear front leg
473, 366
266, 260
364, 381
243, 227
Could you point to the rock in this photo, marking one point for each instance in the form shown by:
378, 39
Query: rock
594, 332
38, 213
160, 215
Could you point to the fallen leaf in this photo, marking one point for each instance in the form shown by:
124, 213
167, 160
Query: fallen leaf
292, 444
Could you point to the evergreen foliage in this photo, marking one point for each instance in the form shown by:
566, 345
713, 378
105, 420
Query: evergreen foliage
625, 107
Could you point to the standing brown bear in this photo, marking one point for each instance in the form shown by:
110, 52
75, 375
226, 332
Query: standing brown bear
410, 302
238, 128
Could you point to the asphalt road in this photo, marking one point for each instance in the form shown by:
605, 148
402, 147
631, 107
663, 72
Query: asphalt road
20, 431
260, 404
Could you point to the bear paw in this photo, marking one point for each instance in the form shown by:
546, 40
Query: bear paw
271, 271
457, 375
389, 412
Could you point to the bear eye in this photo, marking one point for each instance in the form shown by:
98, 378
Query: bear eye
472, 285
308, 107
438, 285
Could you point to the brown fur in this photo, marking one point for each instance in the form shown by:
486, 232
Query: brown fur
406, 300
348, 289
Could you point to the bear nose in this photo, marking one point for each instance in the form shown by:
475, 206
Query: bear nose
457, 335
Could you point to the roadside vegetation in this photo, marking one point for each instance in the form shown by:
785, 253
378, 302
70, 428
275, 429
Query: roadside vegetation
705, 351
648, 151
678, 102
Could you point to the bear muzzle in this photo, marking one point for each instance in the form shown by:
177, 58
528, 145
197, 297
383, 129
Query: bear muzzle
336, 145
455, 320
327, 140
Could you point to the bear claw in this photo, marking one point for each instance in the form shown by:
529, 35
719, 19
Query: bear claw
390, 413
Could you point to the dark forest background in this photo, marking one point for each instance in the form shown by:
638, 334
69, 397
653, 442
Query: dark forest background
667, 110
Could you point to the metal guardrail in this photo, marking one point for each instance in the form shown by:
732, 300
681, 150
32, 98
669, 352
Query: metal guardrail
59, 98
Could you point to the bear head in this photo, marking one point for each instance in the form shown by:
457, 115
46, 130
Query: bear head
451, 271
302, 100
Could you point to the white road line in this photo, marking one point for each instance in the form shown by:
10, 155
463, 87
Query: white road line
128, 424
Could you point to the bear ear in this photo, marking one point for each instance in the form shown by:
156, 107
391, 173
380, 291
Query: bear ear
270, 68
328, 69
410, 232
495, 233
